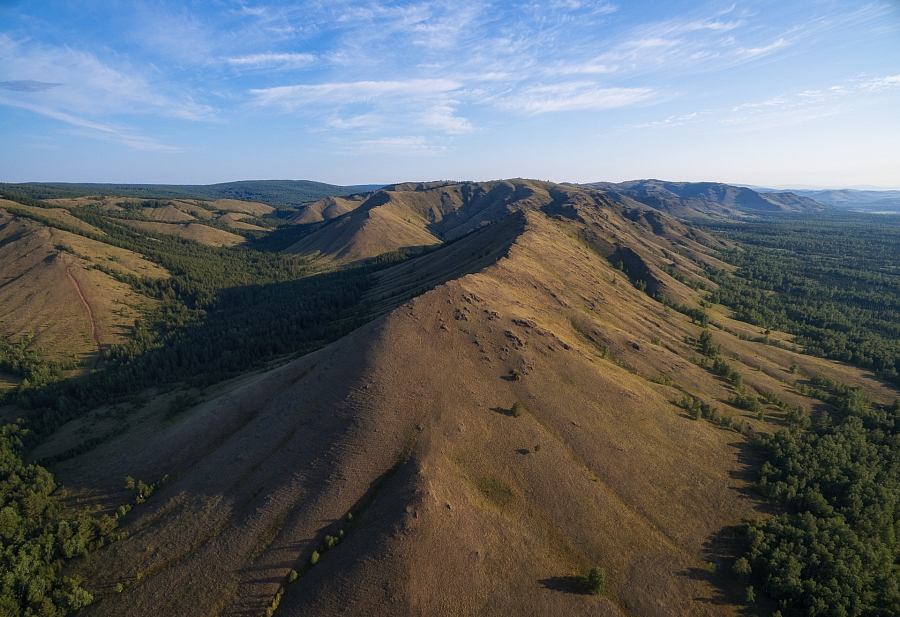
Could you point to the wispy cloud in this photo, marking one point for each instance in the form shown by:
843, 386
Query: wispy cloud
788, 108
82, 84
27, 85
402, 146
292, 97
880, 84
126, 136
575, 96
766, 49
672, 121
421, 102
273, 60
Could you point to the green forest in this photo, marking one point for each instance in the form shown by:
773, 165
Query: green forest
834, 282
833, 551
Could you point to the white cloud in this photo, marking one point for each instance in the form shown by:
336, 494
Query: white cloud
403, 146
789, 109
425, 103
881, 84
272, 60
87, 86
126, 136
672, 121
292, 97
575, 96
443, 118
766, 49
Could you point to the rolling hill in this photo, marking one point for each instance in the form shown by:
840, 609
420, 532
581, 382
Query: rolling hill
508, 419
52, 291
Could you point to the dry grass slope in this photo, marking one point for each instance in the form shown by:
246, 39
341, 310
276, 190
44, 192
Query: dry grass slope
47, 286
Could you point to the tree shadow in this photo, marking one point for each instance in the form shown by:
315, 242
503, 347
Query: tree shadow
722, 549
566, 584
503, 411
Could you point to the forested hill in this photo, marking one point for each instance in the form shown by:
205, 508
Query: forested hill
273, 192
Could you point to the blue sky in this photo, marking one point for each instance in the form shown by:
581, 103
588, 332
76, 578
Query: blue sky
761, 92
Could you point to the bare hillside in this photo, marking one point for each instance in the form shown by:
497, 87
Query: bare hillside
48, 286
412, 216
328, 208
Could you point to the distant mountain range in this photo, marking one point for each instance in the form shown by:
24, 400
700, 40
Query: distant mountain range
708, 198
681, 199
850, 199
272, 192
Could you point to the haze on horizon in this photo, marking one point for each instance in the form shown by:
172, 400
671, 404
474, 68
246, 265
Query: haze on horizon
762, 93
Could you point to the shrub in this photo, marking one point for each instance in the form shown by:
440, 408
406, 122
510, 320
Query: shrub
516, 410
742, 400
663, 380
706, 345
796, 416
314, 558
742, 569
596, 580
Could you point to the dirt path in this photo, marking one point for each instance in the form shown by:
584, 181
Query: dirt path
90, 314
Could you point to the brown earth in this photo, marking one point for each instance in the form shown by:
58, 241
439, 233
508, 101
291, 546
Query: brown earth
459, 506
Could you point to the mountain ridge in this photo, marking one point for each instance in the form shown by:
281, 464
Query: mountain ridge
709, 198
